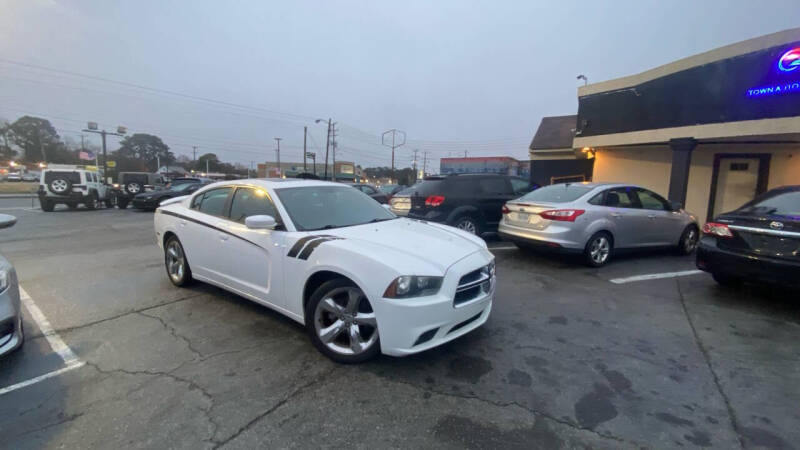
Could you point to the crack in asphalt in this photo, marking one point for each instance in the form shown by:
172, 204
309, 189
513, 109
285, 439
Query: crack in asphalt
275, 407
731, 413
175, 334
67, 419
530, 410
127, 313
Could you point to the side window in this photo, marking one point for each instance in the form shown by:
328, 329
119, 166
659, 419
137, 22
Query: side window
494, 186
620, 198
597, 199
520, 186
213, 201
251, 202
463, 187
651, 200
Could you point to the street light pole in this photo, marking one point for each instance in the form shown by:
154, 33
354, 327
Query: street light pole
278, 155
91, 127
305, 135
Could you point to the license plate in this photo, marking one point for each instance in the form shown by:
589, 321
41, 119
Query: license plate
523, 217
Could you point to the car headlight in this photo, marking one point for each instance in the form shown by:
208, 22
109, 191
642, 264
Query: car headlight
3, 280
413, 286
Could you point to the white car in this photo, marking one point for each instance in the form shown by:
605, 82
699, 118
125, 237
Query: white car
360, 279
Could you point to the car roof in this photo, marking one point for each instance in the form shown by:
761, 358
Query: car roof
276, 183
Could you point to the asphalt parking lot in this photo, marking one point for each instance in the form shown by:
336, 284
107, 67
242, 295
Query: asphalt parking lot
568, 359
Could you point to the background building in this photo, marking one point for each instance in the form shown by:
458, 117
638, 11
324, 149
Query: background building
553, 159
504, 165
344, 170
710, 131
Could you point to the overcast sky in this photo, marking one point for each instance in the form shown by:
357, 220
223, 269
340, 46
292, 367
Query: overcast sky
454, 75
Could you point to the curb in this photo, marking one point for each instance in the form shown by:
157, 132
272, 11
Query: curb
17, 196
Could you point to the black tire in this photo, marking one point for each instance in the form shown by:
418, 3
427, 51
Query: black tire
598, 249
688, 242
727, 280
72, 205
47, 205
178, 278
338, 290
122, 204
60, 186
134, 187
468, 224
92, 203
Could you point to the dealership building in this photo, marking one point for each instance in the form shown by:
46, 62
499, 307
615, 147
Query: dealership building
710, 131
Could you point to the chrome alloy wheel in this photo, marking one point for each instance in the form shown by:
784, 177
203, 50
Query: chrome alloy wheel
468, 226
600, 249
344, 321
59, 186
176, 261
690, 243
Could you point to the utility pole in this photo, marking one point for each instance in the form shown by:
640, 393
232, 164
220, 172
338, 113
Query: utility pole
395, 143
206, 167
327, 149
91, 127
194, 153
313, 157
158, 164
465, 153
278, 155
333, 151
424, 163
305, 136
249, 174
415, 163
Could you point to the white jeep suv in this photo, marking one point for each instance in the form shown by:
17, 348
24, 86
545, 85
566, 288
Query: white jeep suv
72, 185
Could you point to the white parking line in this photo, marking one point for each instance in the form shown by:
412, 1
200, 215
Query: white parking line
512, 247
55, 341
655, 276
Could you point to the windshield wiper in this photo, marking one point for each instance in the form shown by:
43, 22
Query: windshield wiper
382, 220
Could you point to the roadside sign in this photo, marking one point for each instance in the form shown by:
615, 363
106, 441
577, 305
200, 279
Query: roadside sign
111, 164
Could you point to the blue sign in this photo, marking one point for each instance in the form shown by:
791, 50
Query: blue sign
788, 62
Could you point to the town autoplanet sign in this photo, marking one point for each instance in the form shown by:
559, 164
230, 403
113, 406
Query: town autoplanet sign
788, 63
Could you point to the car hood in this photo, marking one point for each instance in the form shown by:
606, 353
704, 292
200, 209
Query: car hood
415, 242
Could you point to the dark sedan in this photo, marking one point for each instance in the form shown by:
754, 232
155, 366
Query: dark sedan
151, 200
759, 241
372, 191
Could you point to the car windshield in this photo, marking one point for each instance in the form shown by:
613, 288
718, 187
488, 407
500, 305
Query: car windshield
777, 203
325, 207
557, 193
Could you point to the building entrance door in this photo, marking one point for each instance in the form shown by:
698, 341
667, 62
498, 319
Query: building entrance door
737, 183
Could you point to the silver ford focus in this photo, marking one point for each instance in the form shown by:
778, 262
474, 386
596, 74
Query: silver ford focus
595, 219
10, 313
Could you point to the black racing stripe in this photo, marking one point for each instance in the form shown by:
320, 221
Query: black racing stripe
221, 230
299, 245
314, 244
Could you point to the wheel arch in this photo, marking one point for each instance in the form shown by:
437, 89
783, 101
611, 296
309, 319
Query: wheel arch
466, 210
317, 279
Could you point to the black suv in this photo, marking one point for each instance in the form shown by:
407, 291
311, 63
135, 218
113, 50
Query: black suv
470, 202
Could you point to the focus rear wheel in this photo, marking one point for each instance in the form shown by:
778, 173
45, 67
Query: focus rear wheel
598, 249
341, 322
688, 242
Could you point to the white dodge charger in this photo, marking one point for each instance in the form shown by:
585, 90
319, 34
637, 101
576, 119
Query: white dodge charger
360, 279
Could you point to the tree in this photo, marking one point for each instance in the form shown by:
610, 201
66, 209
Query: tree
213, 163
38, 140
147, 148
6, 152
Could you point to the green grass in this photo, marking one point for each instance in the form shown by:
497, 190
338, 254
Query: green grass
21, 187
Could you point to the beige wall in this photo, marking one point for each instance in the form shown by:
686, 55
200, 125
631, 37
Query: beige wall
645, 166
784, 169
650, 167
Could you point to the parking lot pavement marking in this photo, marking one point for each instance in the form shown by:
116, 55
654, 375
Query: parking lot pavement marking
26, 383
55, 341
655, 276
507, 247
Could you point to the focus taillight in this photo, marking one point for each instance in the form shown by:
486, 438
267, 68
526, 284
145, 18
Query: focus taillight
434, 200
563, 215
717, 229
505, 209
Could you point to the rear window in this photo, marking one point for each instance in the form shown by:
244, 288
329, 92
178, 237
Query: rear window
424, 188
786, 203
557, 193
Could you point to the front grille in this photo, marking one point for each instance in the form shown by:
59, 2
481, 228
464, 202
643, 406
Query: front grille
473, 285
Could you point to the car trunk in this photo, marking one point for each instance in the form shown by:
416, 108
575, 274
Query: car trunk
773, 236
526, 214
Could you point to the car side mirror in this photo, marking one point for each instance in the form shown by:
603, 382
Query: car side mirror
676, 206
260, 222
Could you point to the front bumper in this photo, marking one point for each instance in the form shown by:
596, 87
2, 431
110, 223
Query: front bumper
713, 259
555, 236
10, 318
145, 204
413, 325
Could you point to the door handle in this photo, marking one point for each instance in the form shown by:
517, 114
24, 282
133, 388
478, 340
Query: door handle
651, 216
183, 223
616, 215
223, 237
